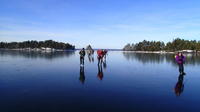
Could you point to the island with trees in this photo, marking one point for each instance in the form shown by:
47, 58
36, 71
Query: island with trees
47, 45
174, 46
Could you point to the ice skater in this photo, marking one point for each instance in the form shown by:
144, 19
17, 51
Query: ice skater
82, 55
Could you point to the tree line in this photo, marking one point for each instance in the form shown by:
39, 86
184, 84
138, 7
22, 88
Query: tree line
36, 44
159, 58
176, 45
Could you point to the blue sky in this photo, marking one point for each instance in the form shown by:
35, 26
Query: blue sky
101, 23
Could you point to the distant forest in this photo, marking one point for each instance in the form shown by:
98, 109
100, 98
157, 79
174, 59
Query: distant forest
176, 45
36, 44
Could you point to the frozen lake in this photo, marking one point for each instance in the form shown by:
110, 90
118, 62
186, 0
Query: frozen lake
54, 82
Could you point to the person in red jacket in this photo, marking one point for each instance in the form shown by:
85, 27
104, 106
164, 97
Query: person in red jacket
100, 56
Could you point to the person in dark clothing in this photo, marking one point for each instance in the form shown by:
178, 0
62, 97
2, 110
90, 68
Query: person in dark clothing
82, 55
82, 75
179, 87
180, 59
104, 54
